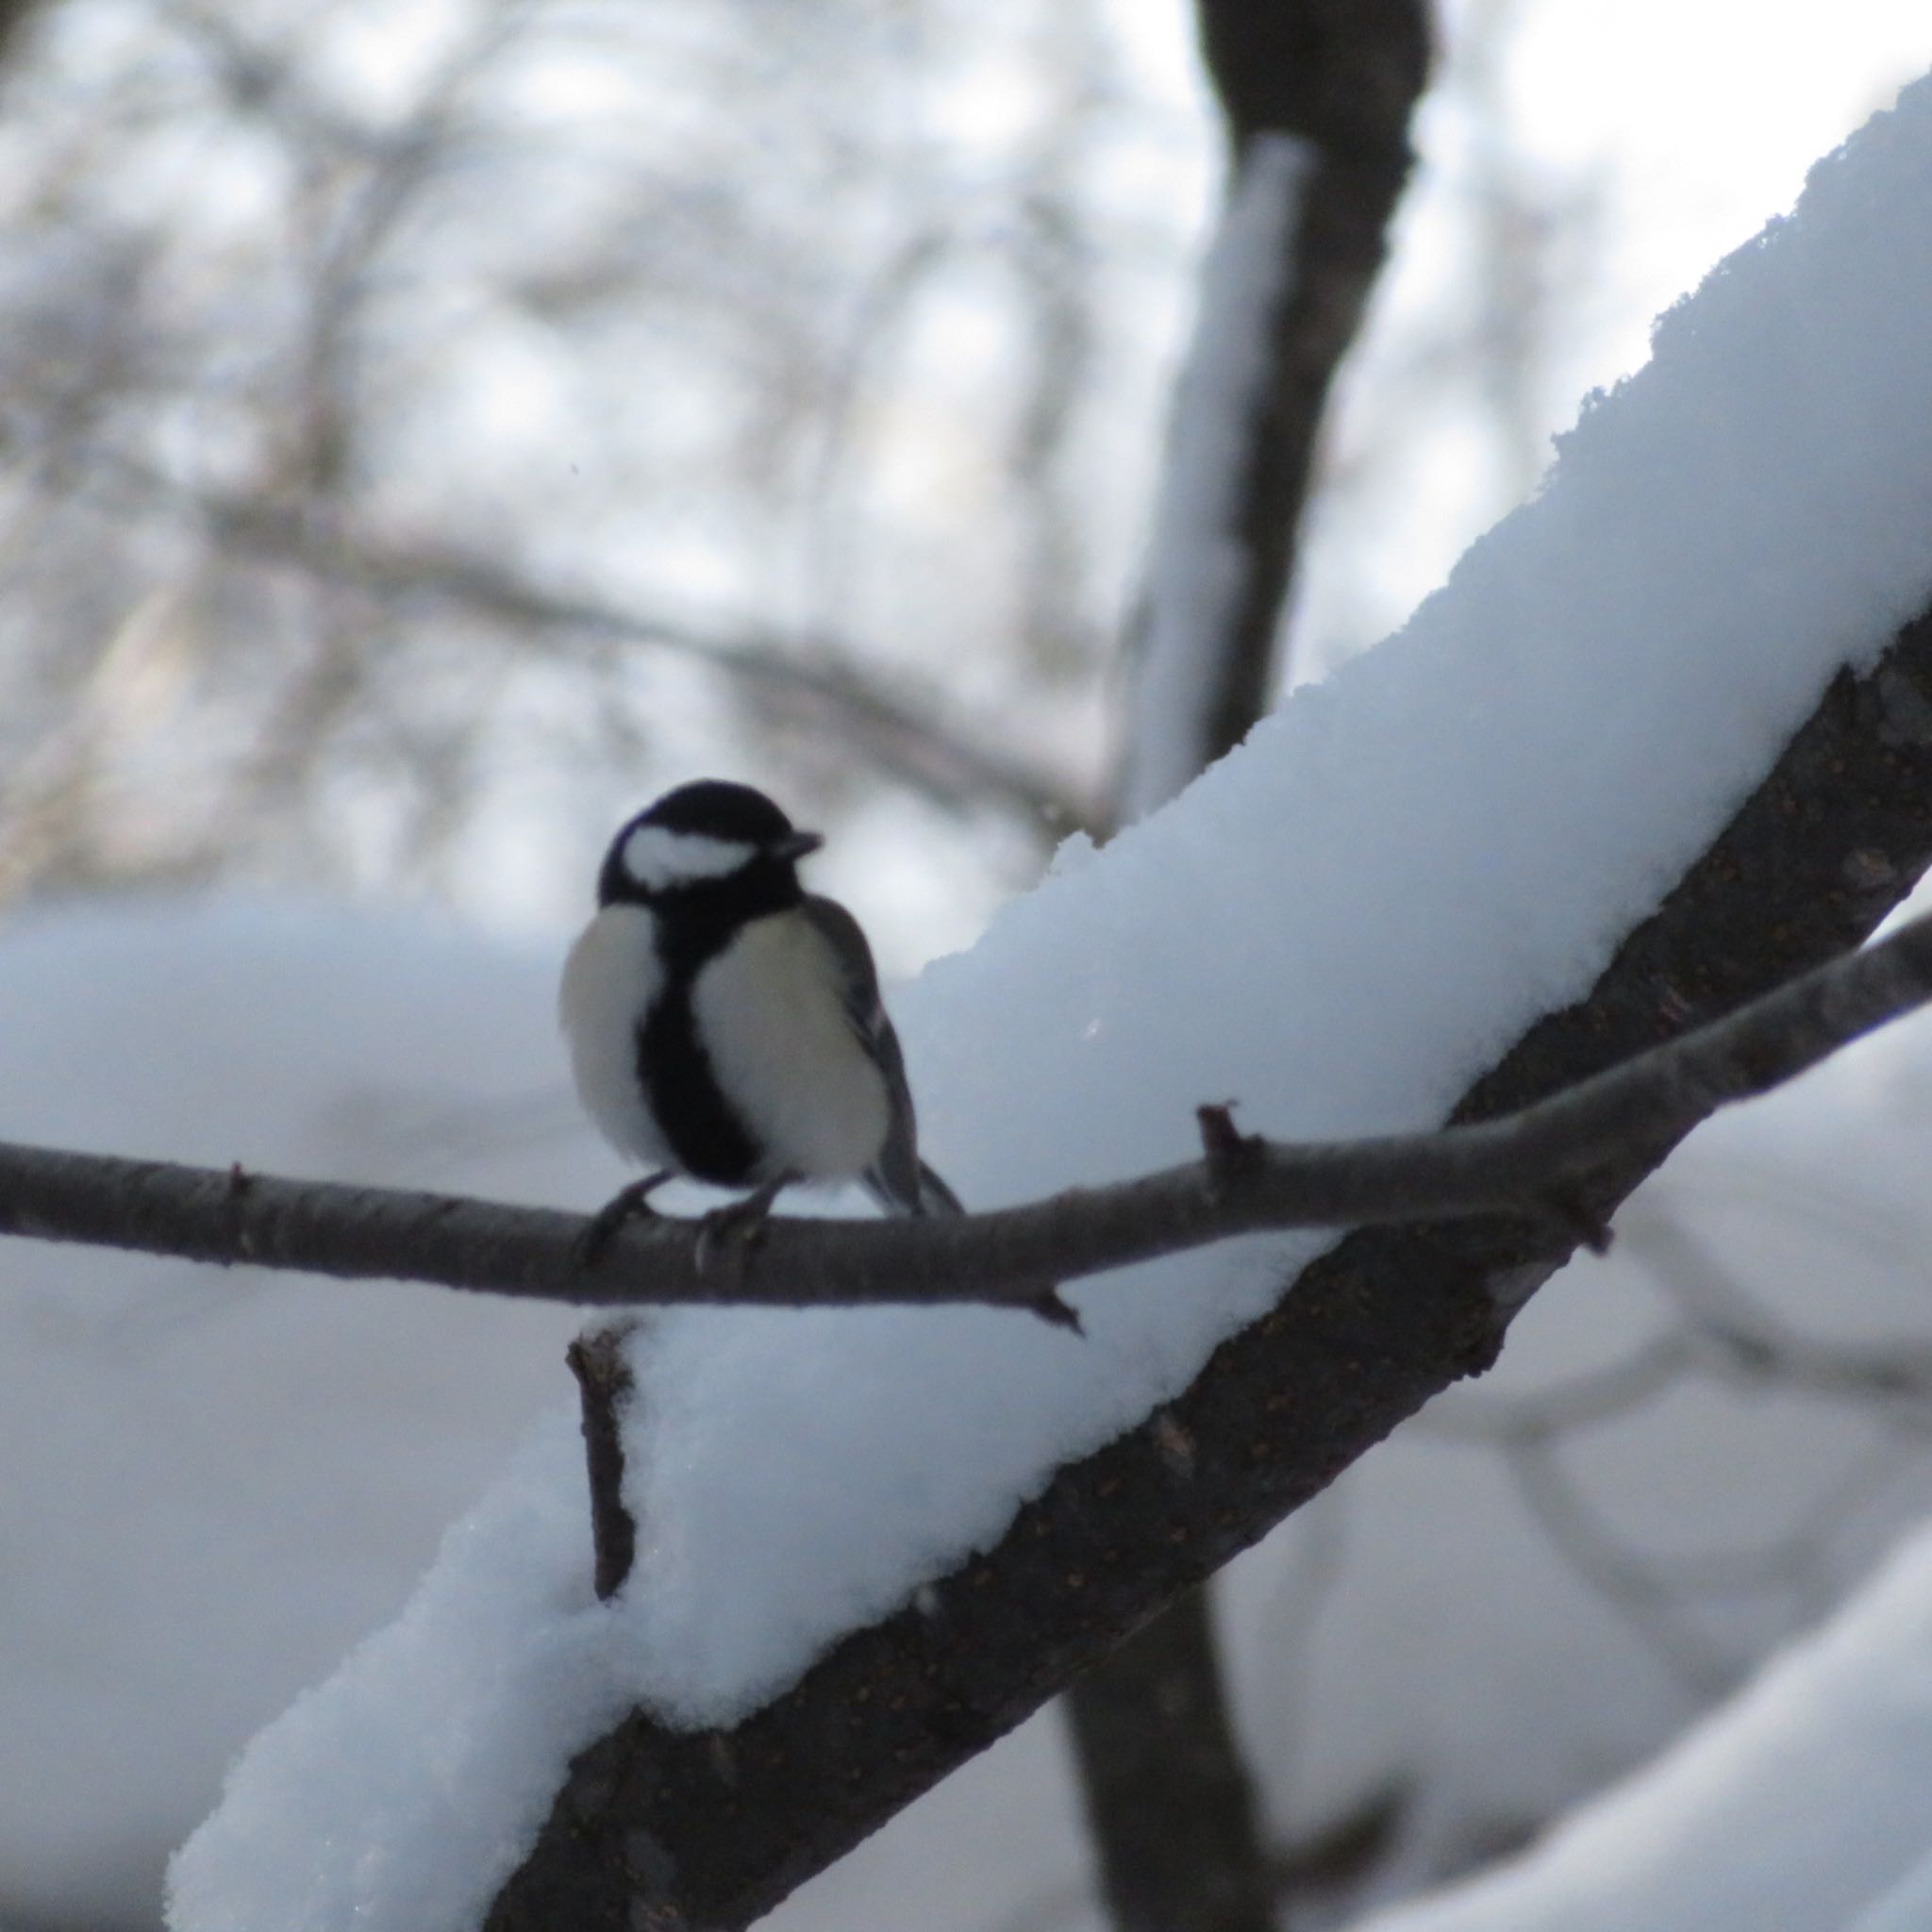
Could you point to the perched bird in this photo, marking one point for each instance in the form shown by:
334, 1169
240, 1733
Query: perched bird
726, 1024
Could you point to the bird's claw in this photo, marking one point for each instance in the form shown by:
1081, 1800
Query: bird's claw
632, 1203
727, 1235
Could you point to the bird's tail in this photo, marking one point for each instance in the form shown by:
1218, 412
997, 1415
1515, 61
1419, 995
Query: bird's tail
932, 1197
935, 1197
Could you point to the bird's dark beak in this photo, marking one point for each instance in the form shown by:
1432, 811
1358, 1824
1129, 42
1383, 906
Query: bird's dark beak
798, 843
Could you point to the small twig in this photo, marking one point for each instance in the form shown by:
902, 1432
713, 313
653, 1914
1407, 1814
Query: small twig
1567, 1208
1228, 1151
1056, 1311
599, 1359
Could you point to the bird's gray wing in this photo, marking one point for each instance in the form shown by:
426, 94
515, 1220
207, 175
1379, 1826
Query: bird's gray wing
899, 1180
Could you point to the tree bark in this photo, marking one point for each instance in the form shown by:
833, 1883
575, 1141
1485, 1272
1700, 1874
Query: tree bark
1167, 1797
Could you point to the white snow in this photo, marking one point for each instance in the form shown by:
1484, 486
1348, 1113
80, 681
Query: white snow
1197, 565
1789, 1810
1340, 925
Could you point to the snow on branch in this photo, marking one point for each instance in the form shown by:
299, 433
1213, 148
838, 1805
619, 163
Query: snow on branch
1199, 565
1317, 99
1534, 1161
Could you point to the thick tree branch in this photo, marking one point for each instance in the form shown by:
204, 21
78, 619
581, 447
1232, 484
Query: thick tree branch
1539, 1162
1831, 842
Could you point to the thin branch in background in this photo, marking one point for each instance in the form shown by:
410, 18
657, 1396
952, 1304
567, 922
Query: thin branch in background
1701, 1667
811, 680
1317, 161
1752, 1341
1725, 1336
1657, 1596
1575, 1402
1192, 661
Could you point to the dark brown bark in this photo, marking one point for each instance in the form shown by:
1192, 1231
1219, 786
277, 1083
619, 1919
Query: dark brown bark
1166, 1795
665, 1829
600, 1361
1343, 79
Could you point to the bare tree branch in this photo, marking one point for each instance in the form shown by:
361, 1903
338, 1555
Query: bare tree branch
1542, 1162
807, 678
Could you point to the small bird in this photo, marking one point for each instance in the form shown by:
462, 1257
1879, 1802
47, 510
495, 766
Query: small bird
726, 1024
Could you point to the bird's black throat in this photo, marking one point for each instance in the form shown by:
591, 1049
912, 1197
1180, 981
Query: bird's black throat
694, 923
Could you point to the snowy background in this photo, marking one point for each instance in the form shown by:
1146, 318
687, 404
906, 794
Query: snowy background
217, 1484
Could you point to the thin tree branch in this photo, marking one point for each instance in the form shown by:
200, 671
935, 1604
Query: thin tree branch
1316, 97
1539, 1162
807, 678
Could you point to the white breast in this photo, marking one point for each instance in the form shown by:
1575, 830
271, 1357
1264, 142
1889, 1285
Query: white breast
608, 982
768, 1011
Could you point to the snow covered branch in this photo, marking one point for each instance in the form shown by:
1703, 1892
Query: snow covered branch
1830, 840
1317, 97
1538, 1161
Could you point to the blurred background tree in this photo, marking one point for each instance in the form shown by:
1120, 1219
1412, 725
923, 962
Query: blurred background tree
432, 430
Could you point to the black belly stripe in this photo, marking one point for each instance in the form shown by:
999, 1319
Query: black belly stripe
706, 1136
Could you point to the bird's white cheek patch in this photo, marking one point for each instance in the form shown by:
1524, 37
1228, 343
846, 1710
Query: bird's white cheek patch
656, 857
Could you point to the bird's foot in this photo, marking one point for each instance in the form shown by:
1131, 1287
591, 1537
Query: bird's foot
727, 1235
632, 1203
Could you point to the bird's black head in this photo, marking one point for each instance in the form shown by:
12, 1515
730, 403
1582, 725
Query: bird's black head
710, 848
